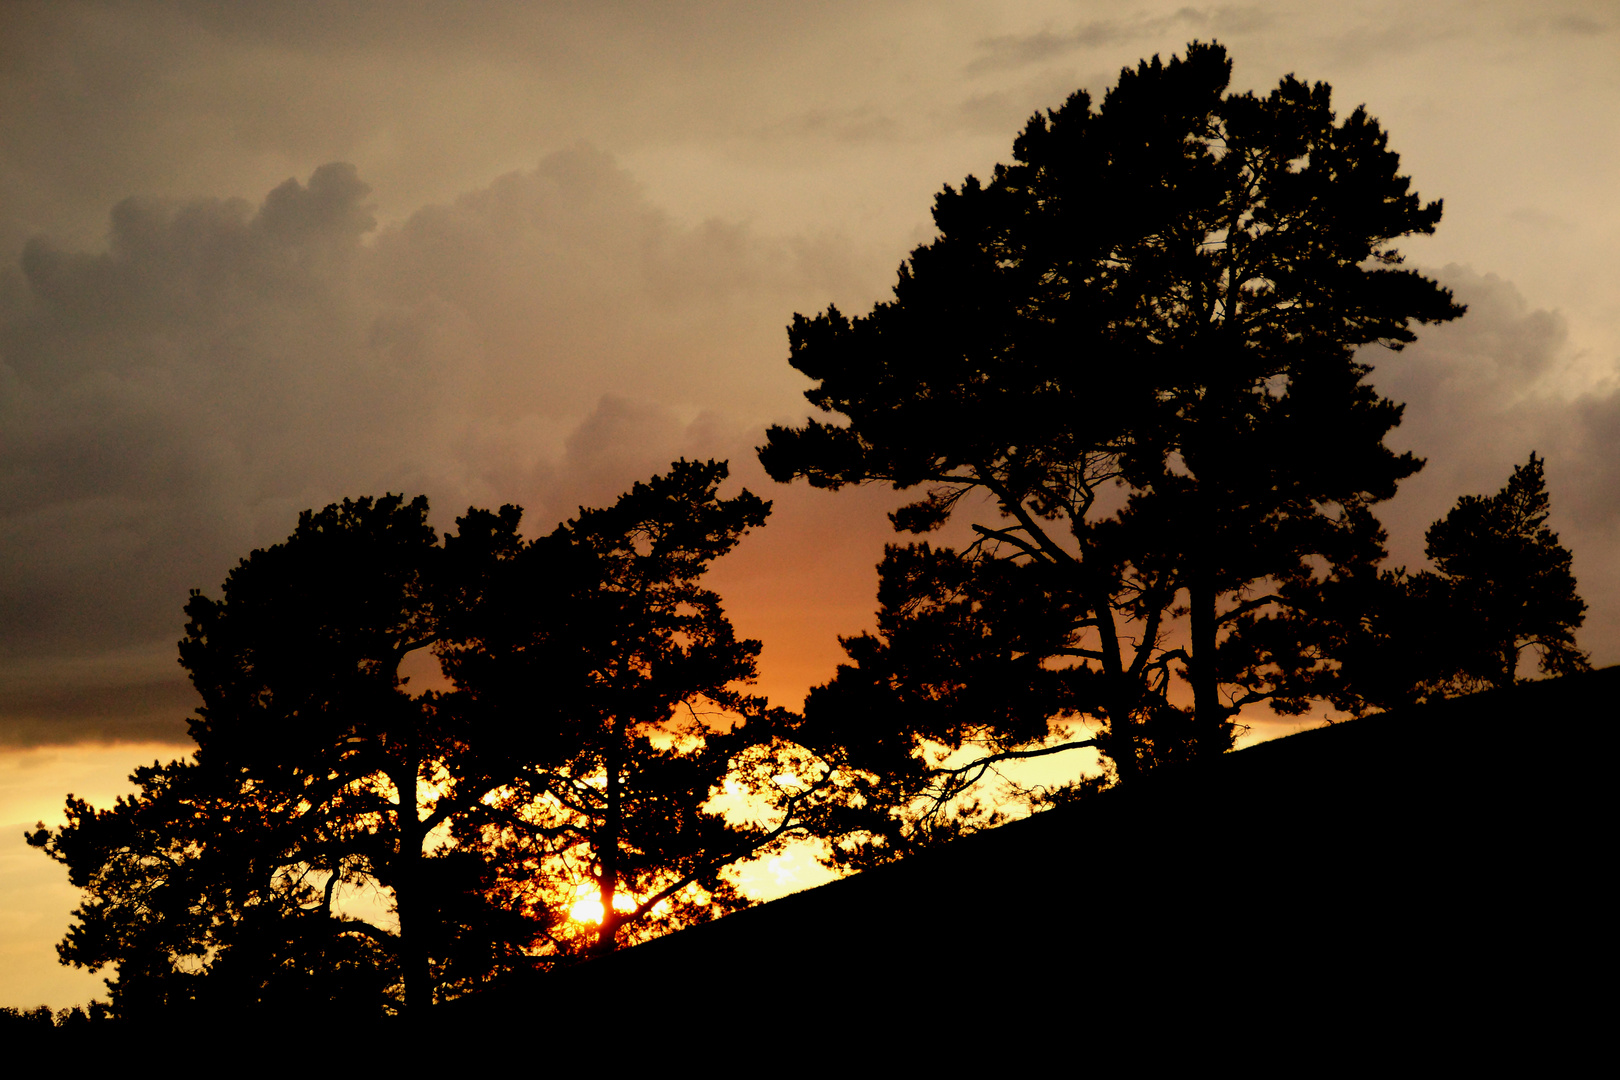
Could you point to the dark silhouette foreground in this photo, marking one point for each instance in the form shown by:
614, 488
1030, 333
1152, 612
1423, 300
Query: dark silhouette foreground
1432, 871
1422, 886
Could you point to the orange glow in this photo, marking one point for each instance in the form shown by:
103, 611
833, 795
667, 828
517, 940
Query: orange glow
588, 908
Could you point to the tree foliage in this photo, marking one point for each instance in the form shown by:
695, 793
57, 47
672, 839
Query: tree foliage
591, 713
1507, 581
317, 775
1138, 345
639, 669
1502, 583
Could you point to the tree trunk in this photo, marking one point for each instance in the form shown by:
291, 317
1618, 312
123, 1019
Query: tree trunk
414, 919
1210, 731
1119, 697
608, 850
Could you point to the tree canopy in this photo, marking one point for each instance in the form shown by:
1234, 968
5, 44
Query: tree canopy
592, 713
317, 774
1507, 581
1138, 343
1502, 583
639, 669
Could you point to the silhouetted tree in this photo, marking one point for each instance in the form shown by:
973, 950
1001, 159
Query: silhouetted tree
960, 658
594, 715
604, 639
316, 772
1507, 581
1138, 343
1502, 583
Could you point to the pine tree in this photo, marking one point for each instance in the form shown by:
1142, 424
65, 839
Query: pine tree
1506, 583
1133, 353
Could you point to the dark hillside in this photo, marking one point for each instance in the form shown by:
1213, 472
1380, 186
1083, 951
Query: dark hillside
1419, 868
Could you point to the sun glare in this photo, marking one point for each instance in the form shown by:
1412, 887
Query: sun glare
588, 908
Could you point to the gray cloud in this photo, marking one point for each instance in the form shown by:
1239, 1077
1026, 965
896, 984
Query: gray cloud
1591, 445
1577, 18
1477, 390
173, 400
1019, 50
1481, 393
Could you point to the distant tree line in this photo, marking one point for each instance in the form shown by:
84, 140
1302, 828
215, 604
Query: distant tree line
23, 1022
1129, 364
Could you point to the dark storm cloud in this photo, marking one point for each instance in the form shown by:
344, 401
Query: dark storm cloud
173, 400
148, 381
151, 709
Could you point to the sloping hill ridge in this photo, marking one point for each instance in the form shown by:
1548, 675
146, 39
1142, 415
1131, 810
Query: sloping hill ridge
1449, 853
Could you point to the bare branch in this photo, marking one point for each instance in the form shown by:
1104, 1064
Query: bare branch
1018, 755
1006, 535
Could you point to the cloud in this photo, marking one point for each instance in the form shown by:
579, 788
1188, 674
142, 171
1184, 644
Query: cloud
1481, 393
1381, 36
1576, 23
855, 125
1019, 50
171, 401
1475, 391
998, 112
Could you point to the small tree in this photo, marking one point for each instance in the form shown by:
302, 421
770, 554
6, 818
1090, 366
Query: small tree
1506, 581
1139, 342
1501, 583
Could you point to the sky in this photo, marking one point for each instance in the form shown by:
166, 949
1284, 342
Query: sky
258, 258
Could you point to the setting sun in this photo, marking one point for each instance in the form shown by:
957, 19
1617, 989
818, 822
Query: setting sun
586, 910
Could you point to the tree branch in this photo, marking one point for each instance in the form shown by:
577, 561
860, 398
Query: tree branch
985, 532
706, 866
1089, 654
1246, 607
1016, 755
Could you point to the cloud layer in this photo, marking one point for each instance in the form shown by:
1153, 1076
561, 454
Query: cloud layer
172, 401
179, 378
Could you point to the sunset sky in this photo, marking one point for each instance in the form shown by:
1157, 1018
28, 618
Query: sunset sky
255, 258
